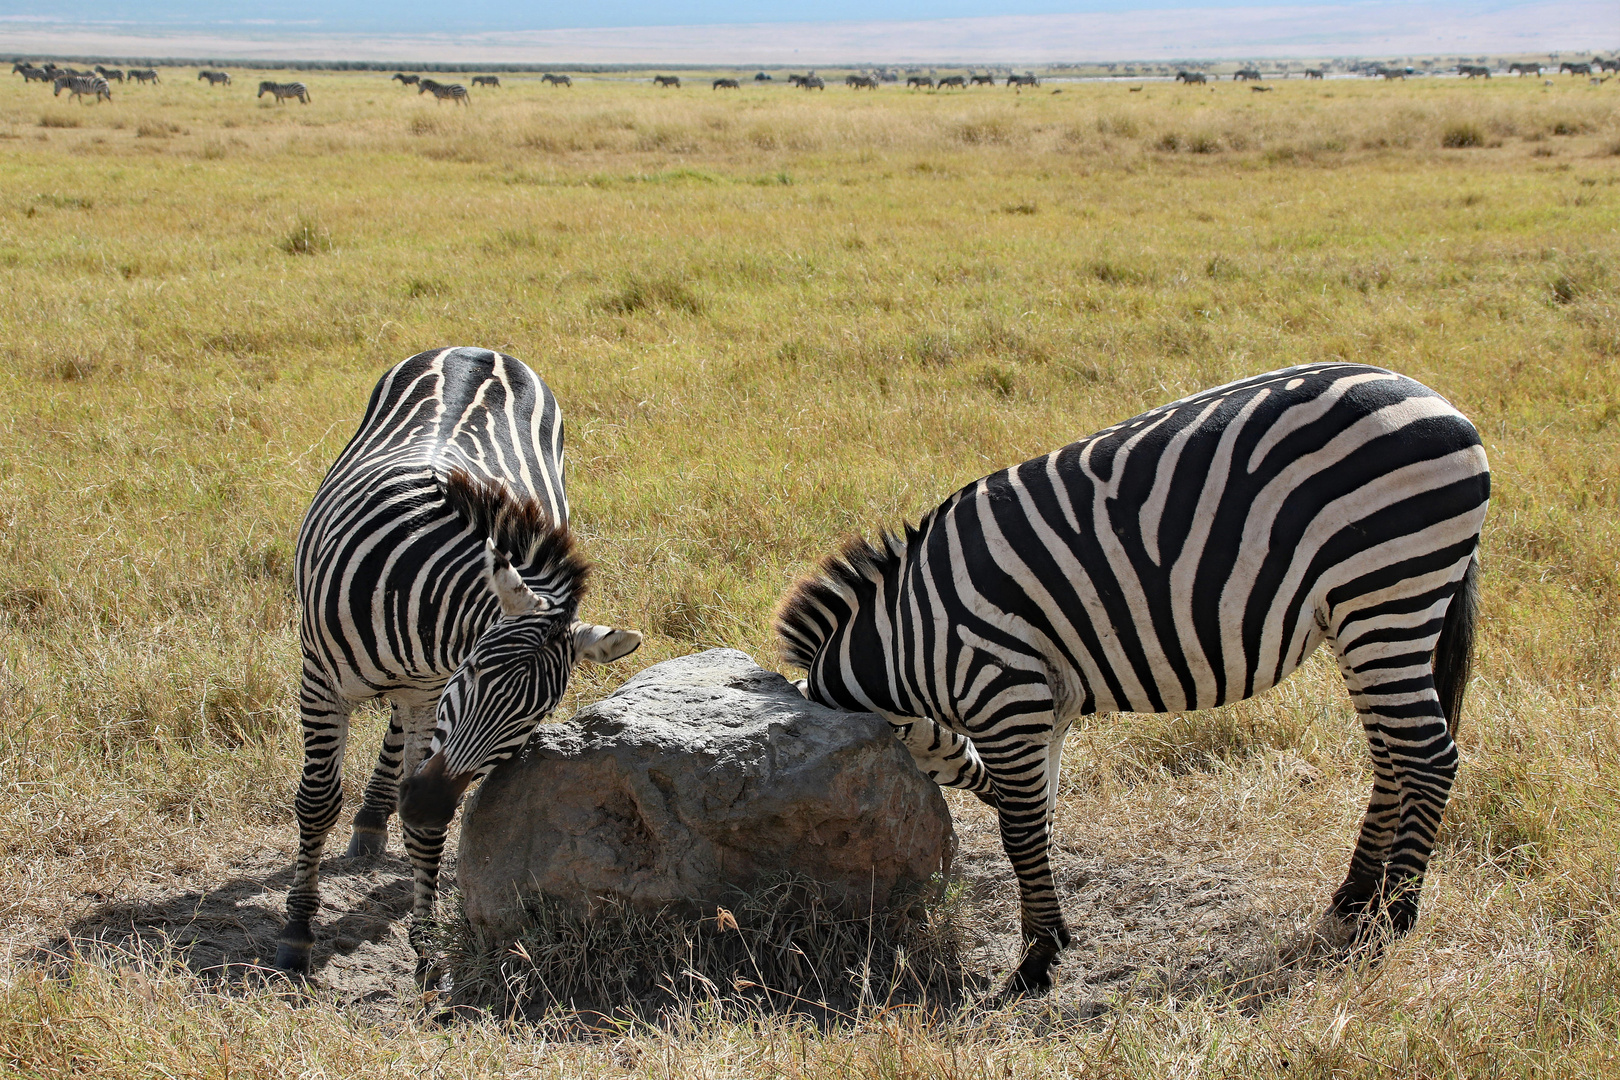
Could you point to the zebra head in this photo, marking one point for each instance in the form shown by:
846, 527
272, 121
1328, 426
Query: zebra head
514, 676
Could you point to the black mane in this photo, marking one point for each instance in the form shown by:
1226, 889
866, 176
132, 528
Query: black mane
522, 530
802, 626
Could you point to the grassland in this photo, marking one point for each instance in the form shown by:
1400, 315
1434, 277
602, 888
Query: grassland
773, 318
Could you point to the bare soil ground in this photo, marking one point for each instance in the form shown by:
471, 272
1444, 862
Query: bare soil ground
1146, 922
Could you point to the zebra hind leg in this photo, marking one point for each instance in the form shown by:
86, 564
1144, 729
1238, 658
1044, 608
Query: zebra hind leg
325, 722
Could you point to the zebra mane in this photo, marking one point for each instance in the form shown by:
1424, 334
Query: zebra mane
818, 602
521, 529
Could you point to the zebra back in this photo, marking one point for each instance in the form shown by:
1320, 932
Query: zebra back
389, 572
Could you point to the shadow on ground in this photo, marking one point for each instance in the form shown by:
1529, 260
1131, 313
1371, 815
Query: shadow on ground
227, 934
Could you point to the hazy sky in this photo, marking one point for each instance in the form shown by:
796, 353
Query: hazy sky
486, 15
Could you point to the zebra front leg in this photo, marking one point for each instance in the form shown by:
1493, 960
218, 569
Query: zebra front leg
325, 722
410, 731
425, 845
1024, 782
944, 756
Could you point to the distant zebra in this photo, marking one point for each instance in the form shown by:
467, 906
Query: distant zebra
215, 78
80, 85
812, 82
983, 80
454, 92
1191, 77
435, 567
1244, 74
406, 80
487, 80
557, 80
1022, 81
920, 82
1191, 556
33, 74
1315, 73
795, 80
1574, 69
143, 75
1522, 70
726, 84
110, 74
667, 80
1467, 71
1607, 65
956, 82
283, 91
861, 82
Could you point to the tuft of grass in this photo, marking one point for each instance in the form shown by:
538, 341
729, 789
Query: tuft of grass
665, 292
1461, 135
57, 120
788, 946
307, 237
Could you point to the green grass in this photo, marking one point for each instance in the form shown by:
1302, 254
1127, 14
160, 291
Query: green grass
773, 319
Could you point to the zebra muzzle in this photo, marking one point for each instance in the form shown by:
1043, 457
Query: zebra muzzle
428, 799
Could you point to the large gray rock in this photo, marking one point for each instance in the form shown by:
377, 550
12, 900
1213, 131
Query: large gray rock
697, 775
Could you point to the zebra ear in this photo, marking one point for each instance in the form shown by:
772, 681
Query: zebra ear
603, 644
515, 597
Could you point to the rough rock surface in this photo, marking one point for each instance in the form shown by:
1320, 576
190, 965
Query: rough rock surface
698, 775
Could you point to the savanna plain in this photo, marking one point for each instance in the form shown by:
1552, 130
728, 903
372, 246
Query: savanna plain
774, 318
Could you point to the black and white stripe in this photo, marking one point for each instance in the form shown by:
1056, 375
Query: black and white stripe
453, 92
214, 78
79, 86
283, 91
435, 566
1182, 559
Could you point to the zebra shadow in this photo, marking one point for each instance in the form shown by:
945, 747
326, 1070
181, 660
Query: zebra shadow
226, 935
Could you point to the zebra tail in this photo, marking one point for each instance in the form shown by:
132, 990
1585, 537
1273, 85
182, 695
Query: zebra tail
1454, 652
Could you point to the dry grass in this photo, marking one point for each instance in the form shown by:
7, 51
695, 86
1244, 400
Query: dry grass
772, 319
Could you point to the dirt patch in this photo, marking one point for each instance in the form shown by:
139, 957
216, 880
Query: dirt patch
1145, 922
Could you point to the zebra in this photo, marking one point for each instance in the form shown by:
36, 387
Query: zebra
1188, 557
1522, 70
1243, 74
487, 80
1467, 71
80, 85
726, 84
435, 566
957, 81
919, 82
983, 80
1574, 69
454, 92
1191, 77
667, 80
283, 91
1315, 73
214, 78
406, 80
1022, 81
861, 82
34, 74
110, 74
812, 82
557, 80
143, 75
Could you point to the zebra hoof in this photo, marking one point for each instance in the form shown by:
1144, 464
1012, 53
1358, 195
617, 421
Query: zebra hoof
367, 842
1033, 977
292, 951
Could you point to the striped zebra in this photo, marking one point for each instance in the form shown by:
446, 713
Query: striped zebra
453, 92
78, 86
435, 567
215, 78
110, 74
284, 90
406, 80
143, 75
487, 80
1191, 556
